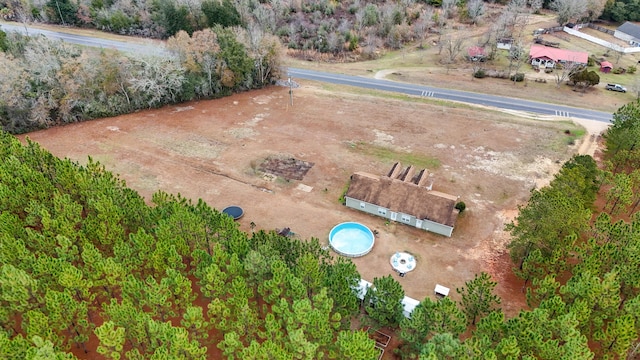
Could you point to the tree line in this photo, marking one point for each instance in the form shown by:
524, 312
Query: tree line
81, 254
350, 29
576, 244
576, 247
45, 83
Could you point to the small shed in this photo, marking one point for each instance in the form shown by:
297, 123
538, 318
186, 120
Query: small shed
606, 66
408, 304
441, 291
504, 43
477, 53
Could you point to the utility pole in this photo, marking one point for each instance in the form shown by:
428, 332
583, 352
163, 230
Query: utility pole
290, 88
60, 13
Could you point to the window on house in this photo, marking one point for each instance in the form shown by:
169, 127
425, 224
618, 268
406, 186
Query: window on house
362, 205
406, 218
382, 211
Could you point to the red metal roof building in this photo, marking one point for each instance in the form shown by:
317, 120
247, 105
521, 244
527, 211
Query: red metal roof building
606, 66
558, 55
475, 51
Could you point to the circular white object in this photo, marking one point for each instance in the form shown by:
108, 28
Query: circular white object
402, 262
351, 239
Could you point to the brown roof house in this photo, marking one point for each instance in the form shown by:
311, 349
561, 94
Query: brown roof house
403, 196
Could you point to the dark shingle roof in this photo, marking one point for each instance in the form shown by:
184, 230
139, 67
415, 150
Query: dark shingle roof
404, 197
630, 28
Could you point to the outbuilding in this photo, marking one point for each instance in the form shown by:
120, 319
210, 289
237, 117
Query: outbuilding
606, 66
477, 53
628, 32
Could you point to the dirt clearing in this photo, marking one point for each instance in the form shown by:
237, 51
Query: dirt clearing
222, 151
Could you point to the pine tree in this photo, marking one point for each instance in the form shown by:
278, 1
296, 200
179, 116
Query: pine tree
383, 302
477, 297
111, 340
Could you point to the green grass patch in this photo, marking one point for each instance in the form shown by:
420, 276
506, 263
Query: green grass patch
573, 134
389, 155
568, 134
342, 199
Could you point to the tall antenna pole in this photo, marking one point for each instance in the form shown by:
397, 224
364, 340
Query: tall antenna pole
290, 88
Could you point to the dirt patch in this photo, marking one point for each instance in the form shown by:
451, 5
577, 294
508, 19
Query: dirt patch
209, 150
286, 167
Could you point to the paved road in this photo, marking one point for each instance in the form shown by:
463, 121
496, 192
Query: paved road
130, 47
453, 95
385, 85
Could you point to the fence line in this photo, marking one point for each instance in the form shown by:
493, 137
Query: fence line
600, 28
607, 44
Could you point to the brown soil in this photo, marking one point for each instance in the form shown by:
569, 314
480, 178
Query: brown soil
214, 150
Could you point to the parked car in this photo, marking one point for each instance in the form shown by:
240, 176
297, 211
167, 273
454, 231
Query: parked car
616, 87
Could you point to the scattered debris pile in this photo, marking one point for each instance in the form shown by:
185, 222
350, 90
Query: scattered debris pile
286, 167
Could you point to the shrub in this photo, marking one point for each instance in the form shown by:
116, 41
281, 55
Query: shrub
343, 196
4, 44
353, 42
461, 206
518, 77
632, 70
480, 73
371, 16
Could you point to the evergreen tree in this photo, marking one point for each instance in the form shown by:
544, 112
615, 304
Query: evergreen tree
221, 12
383, 301
478, 298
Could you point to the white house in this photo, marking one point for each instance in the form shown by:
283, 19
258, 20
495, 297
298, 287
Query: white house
404, 197
545, 56
628, 32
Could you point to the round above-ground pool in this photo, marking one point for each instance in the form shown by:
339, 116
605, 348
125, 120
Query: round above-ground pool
235, 212
351, 239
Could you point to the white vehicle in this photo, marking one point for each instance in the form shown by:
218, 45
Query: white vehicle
616, 87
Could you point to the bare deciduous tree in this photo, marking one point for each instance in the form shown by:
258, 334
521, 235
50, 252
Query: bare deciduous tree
517, 56
510, 25
536, 5
371, 42
264, 49
448, 8
595, 8
569, 10
636, 89
264, 17
568, 69
452, 48
19, 10
158, 78
475, 10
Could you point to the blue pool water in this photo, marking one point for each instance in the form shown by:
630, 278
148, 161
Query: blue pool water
351, 239
235, 212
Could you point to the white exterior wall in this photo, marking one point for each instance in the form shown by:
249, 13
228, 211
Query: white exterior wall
544, 63
408, 304
605, 43
622, 36
399, 217
437, 228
